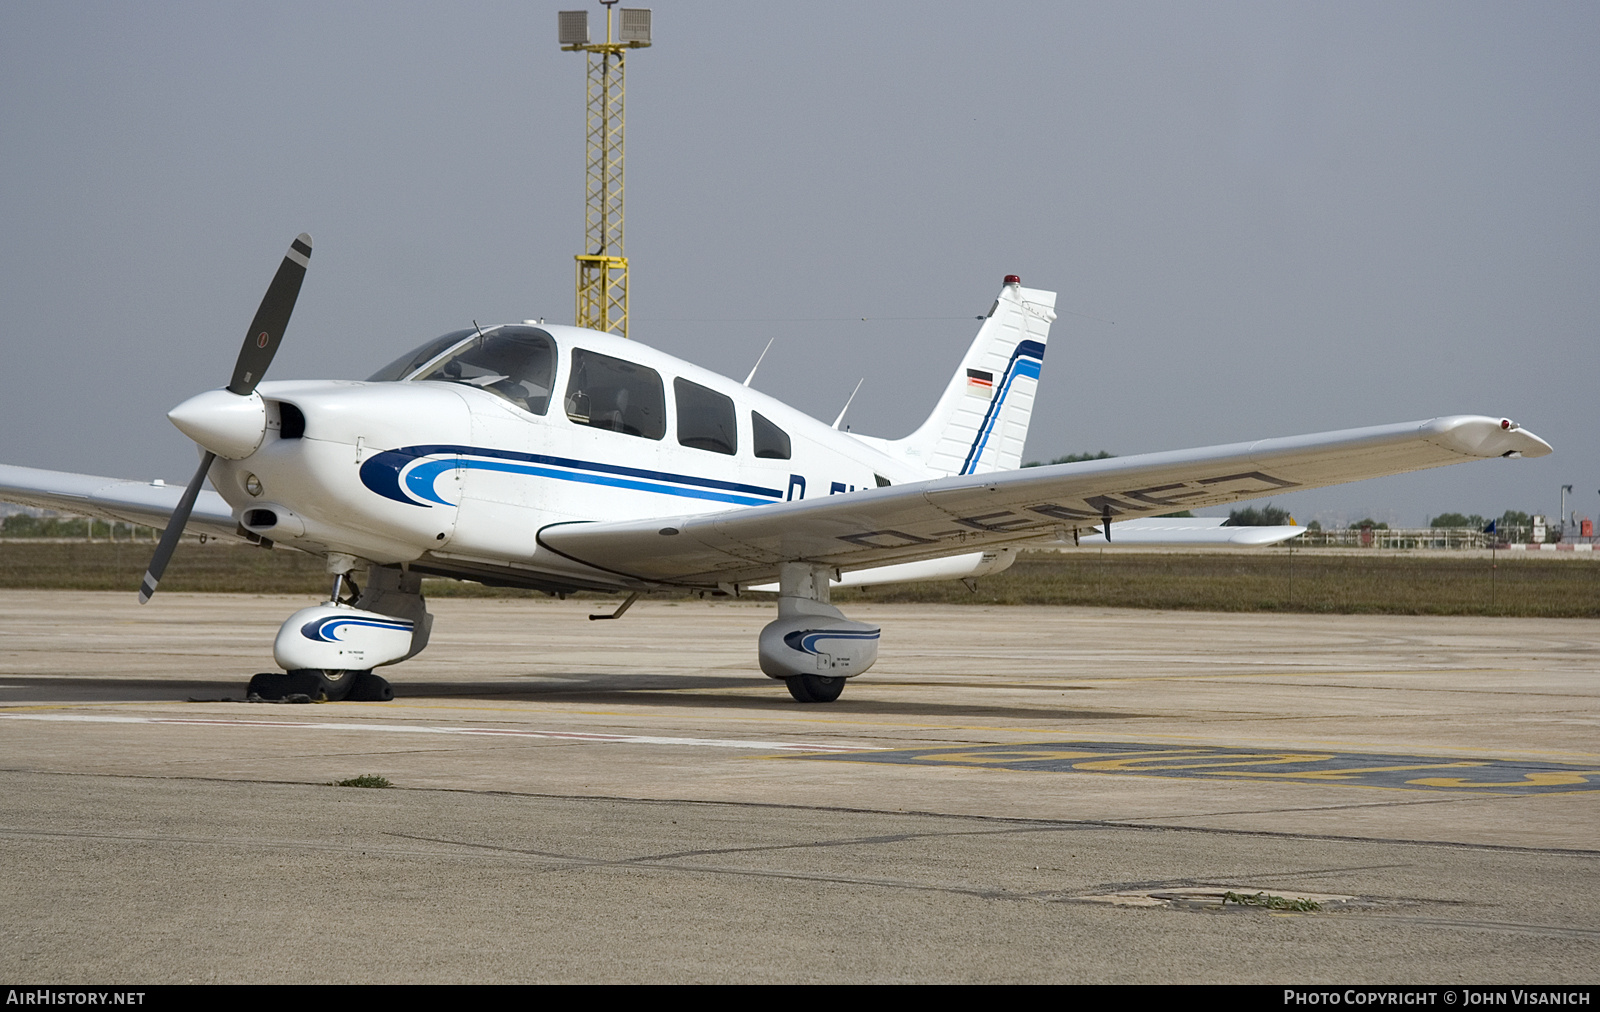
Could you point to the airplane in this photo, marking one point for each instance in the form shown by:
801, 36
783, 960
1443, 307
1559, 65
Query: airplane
563, 459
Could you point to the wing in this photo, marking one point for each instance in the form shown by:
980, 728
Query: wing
134, 502
964, 513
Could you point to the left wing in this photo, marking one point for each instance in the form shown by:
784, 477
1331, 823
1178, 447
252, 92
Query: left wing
136, 502
1195, 531
965, 513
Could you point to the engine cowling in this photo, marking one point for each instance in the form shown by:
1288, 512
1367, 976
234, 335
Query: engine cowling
819, 642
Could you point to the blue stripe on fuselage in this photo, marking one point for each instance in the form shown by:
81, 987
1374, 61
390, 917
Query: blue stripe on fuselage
383, 473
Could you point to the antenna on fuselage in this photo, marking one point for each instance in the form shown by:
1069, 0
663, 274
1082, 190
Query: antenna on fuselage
846, 407
759, 357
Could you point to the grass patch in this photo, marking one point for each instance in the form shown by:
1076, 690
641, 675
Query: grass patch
1364, 582
364, 780
216, 567
1267, 902
1355, 582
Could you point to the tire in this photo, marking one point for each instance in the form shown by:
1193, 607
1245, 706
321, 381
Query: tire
370, 688
814, 688
334, 685
311, 685
319, 685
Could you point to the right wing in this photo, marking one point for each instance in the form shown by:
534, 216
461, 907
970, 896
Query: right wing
965, 513
148, 504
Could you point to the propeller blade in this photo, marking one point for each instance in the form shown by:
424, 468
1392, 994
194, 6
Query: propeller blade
266, 330
174, 531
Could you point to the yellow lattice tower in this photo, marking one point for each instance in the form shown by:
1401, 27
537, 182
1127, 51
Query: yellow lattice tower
602, 290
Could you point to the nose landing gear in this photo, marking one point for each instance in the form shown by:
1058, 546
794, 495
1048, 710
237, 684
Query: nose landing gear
329, 650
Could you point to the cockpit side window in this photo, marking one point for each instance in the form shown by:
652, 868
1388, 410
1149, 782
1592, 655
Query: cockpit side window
517, 363
705, 418
608, 393
410, 362
770, 441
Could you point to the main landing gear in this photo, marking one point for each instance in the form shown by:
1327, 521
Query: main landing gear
811, 646
329, 650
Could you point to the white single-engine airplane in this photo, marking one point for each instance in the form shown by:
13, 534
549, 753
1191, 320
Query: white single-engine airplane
563, 459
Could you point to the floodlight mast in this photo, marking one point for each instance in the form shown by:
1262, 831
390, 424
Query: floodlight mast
601, 298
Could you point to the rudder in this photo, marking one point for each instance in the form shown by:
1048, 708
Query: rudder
981, 420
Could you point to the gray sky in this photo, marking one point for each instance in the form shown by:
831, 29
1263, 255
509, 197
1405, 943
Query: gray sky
1299, 217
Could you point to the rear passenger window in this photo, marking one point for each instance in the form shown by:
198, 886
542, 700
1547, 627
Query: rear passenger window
770, 441
609, 393
705, 418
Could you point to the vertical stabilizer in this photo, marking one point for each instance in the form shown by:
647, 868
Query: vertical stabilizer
981, 421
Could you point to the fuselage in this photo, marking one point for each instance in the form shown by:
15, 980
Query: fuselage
456, 466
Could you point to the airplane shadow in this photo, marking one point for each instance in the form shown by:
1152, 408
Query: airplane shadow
737, 693
723, 692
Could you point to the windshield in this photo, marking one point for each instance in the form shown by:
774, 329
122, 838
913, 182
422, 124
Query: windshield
411, 361
517, 363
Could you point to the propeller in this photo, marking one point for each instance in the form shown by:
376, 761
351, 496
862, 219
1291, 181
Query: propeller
260, 345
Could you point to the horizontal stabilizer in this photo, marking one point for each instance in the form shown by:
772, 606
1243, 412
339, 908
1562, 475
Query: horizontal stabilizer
1196, 531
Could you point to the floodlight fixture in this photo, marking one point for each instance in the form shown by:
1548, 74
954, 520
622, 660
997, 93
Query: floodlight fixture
572, 27
634, 28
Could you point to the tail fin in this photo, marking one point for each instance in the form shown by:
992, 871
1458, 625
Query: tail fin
981, 421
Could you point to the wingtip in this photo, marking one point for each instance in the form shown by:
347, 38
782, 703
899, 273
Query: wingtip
1483, 436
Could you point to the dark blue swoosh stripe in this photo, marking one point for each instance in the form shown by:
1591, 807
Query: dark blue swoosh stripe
381, 472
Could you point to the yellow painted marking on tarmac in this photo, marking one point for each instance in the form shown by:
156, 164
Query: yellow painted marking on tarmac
1544, 778
1157, 761
999, 768
1341, 774
646, 711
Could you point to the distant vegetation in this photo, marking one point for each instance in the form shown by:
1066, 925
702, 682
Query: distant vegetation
1258, 516
21, 525
1353, 582
1472, 521
1071, 458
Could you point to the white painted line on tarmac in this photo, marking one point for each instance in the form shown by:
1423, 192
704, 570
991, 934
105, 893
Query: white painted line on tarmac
623, 739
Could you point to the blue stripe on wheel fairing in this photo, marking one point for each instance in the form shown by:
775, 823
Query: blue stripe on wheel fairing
382, 473
1026, 359
326, 630
806, 640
